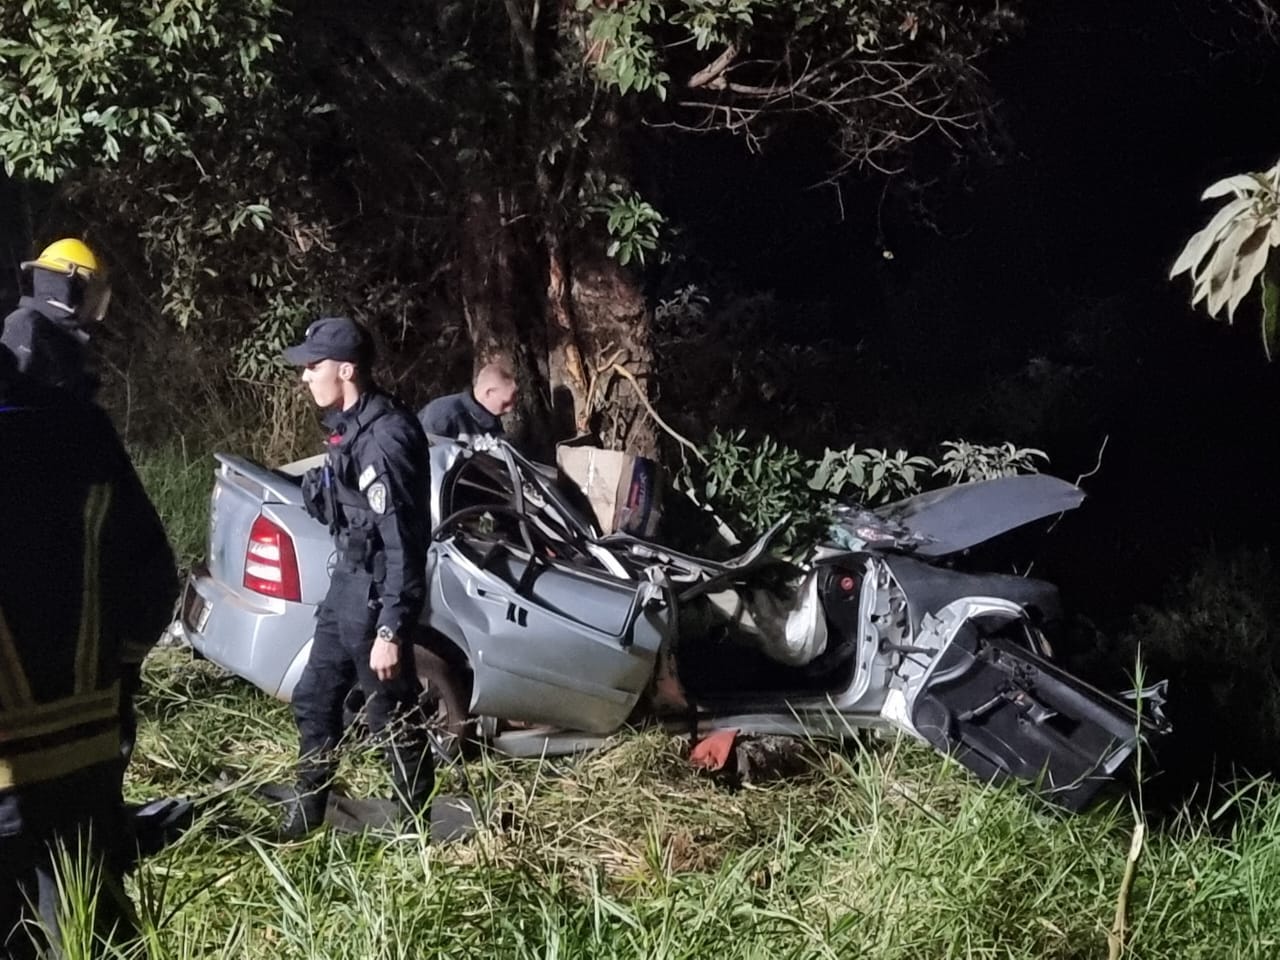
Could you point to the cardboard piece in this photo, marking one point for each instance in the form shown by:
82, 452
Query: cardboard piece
624, 490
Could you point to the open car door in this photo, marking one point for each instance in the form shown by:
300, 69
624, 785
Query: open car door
1004, 712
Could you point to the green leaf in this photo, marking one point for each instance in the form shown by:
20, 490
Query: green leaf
1270, 312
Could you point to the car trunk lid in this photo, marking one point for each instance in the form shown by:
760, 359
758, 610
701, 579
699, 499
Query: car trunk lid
240, 490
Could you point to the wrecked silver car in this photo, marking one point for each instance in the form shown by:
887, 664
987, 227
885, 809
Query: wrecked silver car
542, 636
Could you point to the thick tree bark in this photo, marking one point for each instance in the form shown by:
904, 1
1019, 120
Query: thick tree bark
568, 319
566, 374
494, 290
571, 320
613, 327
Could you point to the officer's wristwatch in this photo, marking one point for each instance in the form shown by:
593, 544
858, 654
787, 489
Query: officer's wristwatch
385, 633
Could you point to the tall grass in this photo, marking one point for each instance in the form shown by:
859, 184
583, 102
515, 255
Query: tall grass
179, 479
882, 850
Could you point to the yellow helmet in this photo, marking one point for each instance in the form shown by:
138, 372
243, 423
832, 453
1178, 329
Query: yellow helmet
66, 256
73, 258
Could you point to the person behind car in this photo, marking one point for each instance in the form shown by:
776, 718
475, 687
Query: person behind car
373, 493
476, 412
87, 582
48, 332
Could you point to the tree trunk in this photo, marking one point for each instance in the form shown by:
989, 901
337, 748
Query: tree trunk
613, 328
494, 290
568, 322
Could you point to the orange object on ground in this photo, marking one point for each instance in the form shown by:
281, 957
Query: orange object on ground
712, 751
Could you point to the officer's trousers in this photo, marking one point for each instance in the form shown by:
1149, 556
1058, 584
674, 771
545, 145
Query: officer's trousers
31, 864
340, 658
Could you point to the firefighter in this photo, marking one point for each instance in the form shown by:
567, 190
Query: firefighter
48, 333
48, 337
476, 412
373, 493
87, 583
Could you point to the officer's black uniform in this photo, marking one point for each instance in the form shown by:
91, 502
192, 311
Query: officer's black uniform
47, 340
373, 492
87, 583
459, 415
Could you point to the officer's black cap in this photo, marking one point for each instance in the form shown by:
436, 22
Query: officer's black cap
332, 338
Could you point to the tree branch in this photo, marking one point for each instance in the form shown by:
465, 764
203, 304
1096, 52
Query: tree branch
524, 36
708, 75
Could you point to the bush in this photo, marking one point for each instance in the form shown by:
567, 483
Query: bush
752, 484
179, 481
1213, 640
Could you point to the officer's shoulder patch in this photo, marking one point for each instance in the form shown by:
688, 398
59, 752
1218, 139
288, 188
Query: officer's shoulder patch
377, 495
367, 476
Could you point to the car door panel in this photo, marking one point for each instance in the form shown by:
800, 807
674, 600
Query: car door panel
1006, 713
535, 663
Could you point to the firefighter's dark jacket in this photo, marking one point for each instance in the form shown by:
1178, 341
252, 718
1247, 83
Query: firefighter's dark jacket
87, 583
49, 345
376, 501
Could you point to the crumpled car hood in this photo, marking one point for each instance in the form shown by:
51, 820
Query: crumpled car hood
942, 522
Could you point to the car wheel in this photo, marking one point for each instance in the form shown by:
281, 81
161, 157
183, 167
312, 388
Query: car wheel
445, 697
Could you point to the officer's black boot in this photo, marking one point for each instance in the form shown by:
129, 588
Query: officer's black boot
413, 776
304, 809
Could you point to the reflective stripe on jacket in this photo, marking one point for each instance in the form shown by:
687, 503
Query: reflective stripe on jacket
87, 581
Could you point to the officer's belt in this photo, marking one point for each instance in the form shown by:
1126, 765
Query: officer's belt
58, 738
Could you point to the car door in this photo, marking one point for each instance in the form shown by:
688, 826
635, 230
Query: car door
547, 643
551, 637
1005, 712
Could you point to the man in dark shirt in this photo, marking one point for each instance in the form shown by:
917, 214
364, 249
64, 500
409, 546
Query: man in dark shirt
476, 412
373, 493
87, 582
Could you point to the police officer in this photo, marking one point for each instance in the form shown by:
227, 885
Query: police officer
47, 334
373, 493
87, 583
475, 412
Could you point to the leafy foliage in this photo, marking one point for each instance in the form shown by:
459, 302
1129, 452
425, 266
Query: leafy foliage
632, 223
754, 483
870, 475
240, 174
80, 86
962, 460
880, 75
1230, 255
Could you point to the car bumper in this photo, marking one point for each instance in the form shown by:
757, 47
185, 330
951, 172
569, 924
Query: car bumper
255, 637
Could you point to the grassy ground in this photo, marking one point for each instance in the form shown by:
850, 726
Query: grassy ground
881, 851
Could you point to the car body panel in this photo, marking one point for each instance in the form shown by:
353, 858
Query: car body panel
939, 523
530, 658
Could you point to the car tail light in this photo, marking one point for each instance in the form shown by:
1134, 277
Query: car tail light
270, 563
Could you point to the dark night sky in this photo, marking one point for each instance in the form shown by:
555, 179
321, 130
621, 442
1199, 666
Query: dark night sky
1118, 115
